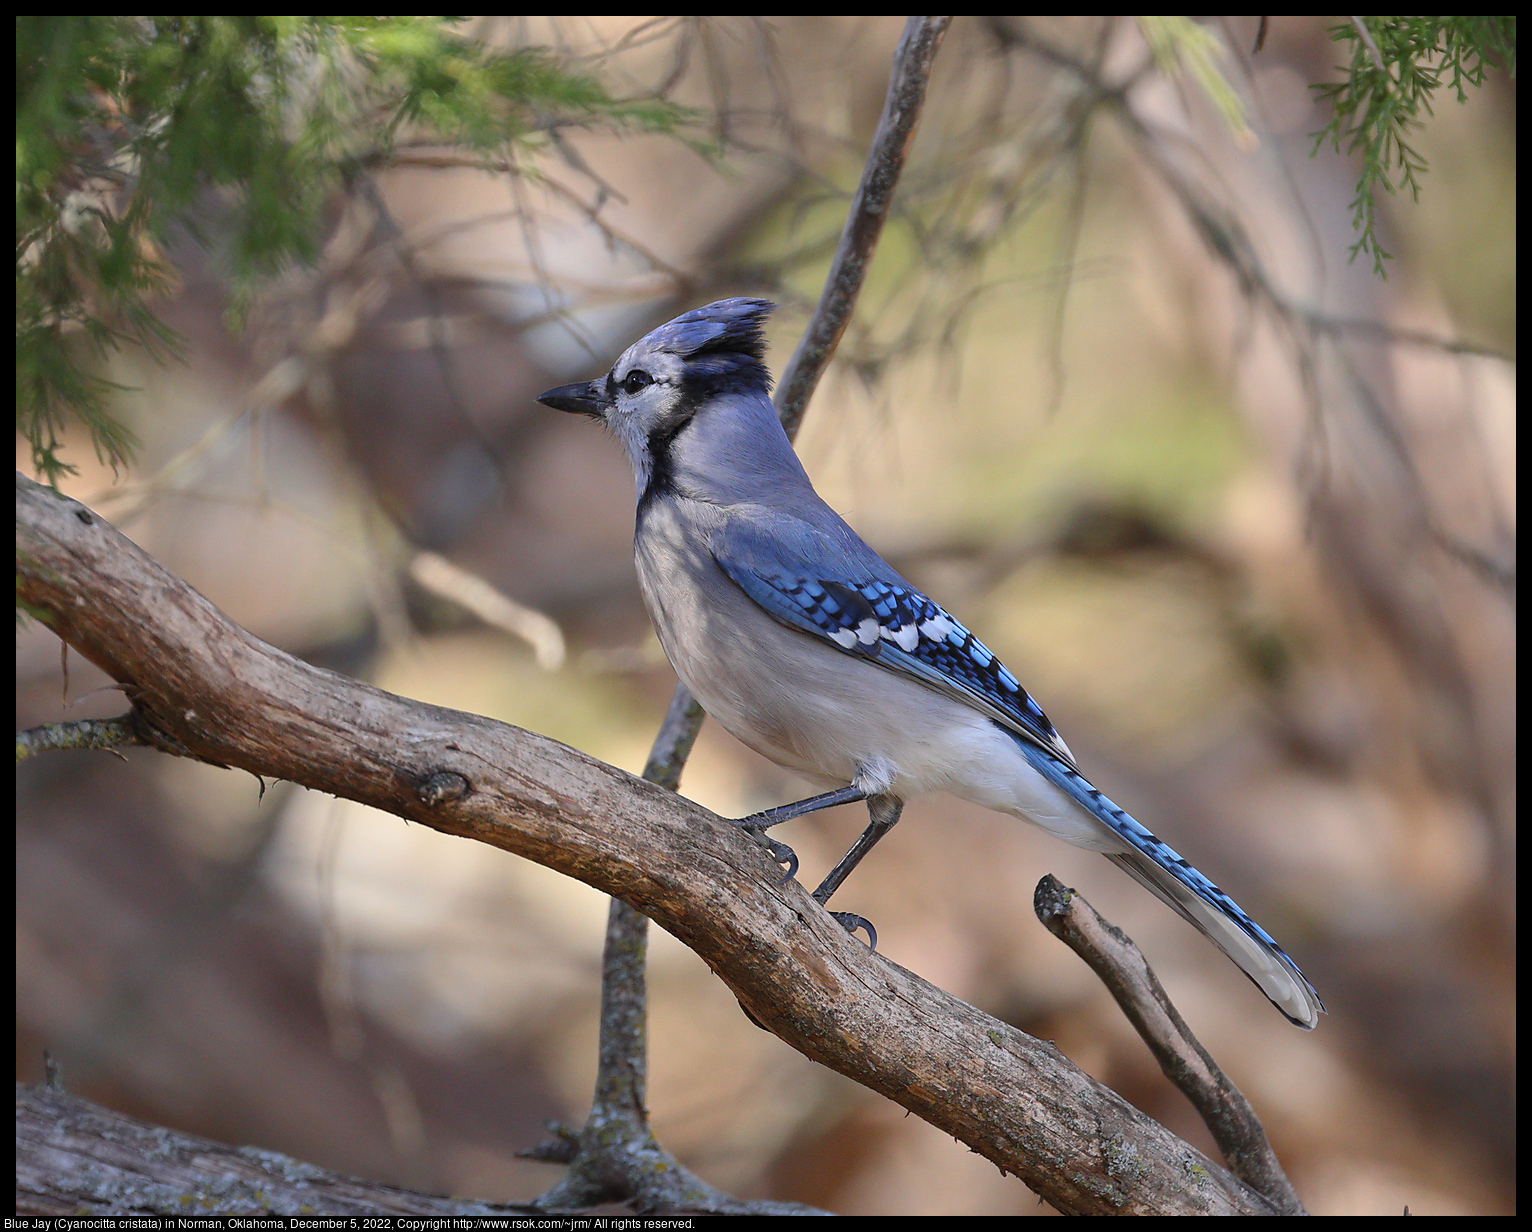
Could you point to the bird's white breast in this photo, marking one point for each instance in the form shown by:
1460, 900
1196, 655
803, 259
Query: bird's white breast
799, 701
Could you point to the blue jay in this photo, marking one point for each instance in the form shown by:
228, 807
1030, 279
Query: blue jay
810, 648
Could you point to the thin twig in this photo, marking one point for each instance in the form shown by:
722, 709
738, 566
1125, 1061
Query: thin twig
1111, 954
491, 605
447, 159
869, 210
1398, 335
430, 292
1362, 32
107, 734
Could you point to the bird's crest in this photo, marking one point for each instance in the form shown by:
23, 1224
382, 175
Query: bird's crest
736, 325
723, 345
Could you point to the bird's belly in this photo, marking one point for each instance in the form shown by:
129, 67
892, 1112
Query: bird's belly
833, 717
804, 704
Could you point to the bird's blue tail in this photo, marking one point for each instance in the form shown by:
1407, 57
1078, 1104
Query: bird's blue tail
1162, 871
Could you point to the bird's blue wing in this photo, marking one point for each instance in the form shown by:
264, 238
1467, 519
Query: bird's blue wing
861, 606
830, 585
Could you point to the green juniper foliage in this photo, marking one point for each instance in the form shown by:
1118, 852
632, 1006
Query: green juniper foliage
128, 126
1394, 70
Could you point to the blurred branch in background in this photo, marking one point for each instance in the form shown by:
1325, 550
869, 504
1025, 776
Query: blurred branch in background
1240, 513
440, 575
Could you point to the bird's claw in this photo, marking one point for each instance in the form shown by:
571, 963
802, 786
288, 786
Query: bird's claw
850, 921
780, 852
785, 855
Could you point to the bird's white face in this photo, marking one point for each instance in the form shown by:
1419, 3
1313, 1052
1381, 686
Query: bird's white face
646, 404
711, 356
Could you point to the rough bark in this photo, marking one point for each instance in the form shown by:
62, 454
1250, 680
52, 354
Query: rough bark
77, 1158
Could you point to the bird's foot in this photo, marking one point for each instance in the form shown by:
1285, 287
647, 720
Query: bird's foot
850, 921
780, 852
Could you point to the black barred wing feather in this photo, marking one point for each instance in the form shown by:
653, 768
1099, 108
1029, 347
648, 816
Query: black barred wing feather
864, 608
898, 627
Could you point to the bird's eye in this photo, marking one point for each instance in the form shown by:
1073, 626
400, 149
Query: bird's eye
636, 380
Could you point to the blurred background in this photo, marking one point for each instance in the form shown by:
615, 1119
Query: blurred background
1106, 397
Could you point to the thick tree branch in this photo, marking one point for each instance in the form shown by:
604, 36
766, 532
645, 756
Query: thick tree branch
203, 686
76, 1158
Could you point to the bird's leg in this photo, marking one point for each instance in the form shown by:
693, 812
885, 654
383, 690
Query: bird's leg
757, 824
799, 808
884, 813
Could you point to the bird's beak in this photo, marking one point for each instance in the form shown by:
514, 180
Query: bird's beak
582, 398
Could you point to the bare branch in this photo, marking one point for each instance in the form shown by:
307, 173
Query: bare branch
869, 210
1111, 954
491, 605
1363, 33
614, 235
615, 1157
1394, 334
1232, 246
